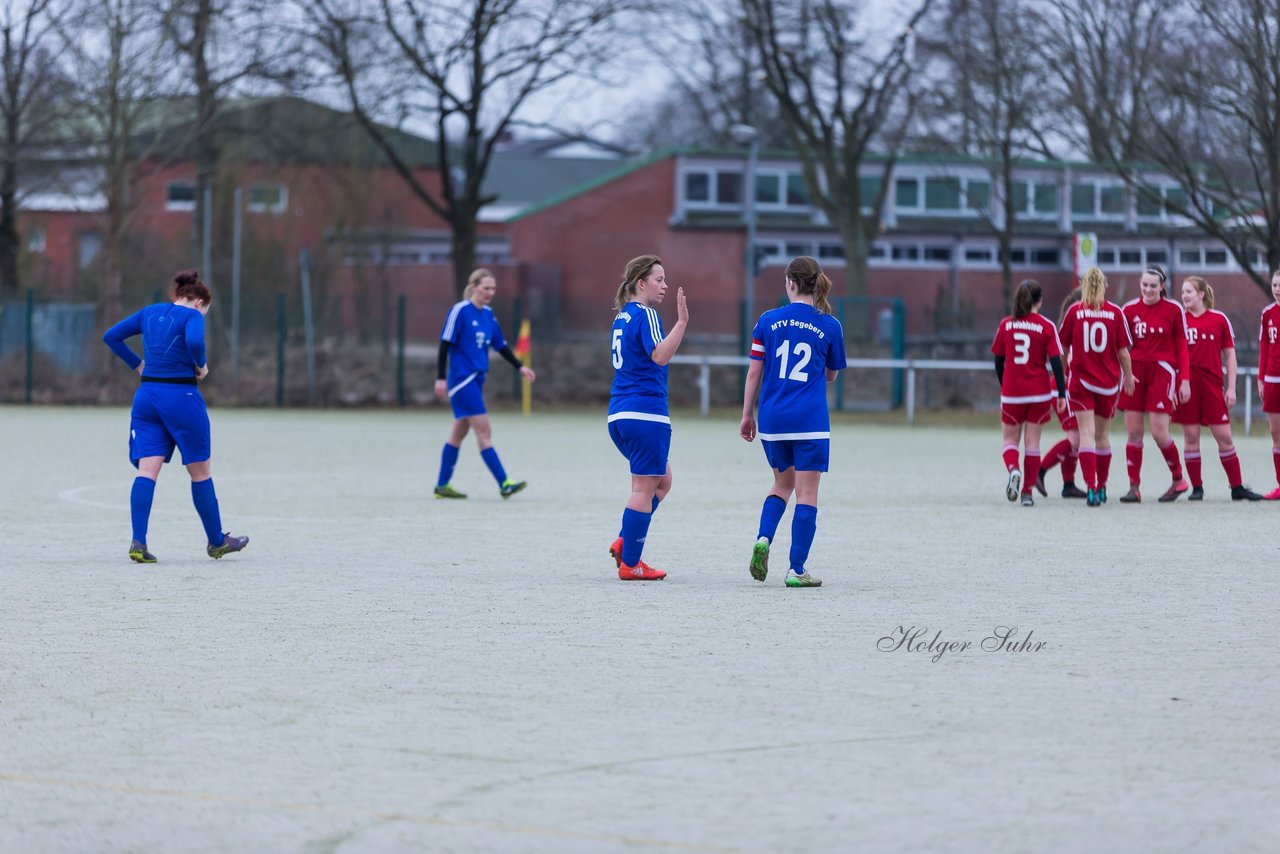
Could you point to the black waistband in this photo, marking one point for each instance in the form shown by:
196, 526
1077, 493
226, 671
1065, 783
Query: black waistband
172, 380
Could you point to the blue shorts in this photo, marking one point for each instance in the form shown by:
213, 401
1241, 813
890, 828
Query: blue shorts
800, 454
645, 444
164, 416
467, 396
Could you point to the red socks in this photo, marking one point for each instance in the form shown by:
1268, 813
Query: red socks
1133, 462
1174, 462
1104, 465
1089, 463
1030, 470
1230, 464
1010, 457
1069, 466
1193, 466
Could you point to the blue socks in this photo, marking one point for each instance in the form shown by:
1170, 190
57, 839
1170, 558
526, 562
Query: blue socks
803, 525
206, 501
490, 456
144, 489
770, 516
635, 527
653, 509
448, 459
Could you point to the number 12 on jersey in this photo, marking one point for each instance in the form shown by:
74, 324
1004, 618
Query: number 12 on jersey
802, 351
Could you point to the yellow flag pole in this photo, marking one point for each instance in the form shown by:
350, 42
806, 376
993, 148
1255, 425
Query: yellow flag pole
526, 388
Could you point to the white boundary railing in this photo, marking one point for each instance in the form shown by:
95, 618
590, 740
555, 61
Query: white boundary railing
911, 366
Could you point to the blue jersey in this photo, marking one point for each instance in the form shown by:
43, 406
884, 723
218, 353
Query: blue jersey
470, 332
798, 345
639, 383
172, 340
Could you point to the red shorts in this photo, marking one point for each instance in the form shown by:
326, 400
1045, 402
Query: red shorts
1083, 400
1014, 414
1154, 389
1207, 404
1270, 397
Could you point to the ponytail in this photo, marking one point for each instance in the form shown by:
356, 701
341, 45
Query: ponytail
1026, 298
810, 281
187, 285
1093, 288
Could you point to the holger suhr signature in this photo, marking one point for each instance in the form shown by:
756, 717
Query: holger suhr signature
918, 639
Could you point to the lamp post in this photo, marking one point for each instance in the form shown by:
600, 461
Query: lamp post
747, 135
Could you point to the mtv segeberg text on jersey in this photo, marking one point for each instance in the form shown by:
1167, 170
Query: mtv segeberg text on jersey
918, 639
799, 323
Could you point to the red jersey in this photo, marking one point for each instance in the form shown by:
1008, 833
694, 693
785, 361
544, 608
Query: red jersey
1159, 334
1027, 344
1269, 344
1207, 336
1095, 336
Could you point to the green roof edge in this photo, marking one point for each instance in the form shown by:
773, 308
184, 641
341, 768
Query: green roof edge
607, 178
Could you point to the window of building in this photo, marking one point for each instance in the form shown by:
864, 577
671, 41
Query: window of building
797, 249
1149, 203
88, 245
978, 195
697, 186
768, 189
1215, 257
942, 194
1107, 257
797, 191
877, 251
937, 254
268, 198
1131, 257
869, 189
1046, 257
830, 251
1157, 256
1018, 255
1021, 195
979, 254
1046, 198
905, 252
1112, 201
729, 188
180, 196
906, 193
1175, 201
36, 240
1083, 199
1189, 257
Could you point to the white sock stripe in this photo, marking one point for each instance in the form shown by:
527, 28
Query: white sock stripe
1010, 447
1225, 454
1193, 456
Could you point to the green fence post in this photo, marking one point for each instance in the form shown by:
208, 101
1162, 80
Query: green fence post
899, 347
280, 328
400, 315
31, 342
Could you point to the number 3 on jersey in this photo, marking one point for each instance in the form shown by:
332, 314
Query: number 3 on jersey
803, 352
1021, 348
617, 349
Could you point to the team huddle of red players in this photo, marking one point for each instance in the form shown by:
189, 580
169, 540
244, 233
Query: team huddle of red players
1157, 360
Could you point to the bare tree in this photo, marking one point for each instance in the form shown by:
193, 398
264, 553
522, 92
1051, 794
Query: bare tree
1103, 56
114, 50
464, 68
30, 90
988, 103
227, 44
842, 102
716, 84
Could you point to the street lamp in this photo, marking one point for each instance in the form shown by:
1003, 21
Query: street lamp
750, 137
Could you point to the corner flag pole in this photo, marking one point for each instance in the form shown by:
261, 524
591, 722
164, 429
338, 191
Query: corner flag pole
524, 351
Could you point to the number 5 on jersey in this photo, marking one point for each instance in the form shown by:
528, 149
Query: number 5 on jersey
617, 349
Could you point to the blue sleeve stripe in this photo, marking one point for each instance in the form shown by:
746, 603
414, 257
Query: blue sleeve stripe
447, 335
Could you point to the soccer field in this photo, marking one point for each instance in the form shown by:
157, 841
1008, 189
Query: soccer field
382, 671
